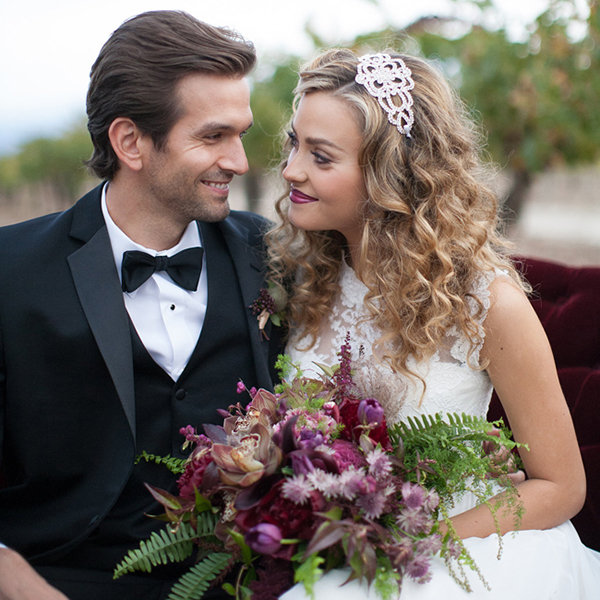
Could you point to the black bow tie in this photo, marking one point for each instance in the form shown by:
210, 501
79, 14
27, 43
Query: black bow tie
184, 268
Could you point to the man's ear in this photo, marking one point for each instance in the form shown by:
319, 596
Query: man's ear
127, 142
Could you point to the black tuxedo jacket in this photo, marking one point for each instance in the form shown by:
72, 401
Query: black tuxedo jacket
67, 408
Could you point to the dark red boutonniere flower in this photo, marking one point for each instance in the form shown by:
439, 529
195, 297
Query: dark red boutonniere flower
269, 305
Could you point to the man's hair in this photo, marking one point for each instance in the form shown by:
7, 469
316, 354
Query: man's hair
139, 67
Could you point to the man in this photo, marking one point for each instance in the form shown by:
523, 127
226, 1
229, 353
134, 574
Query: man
103, 356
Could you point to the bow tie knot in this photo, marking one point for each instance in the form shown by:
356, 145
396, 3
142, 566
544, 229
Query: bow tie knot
184, 268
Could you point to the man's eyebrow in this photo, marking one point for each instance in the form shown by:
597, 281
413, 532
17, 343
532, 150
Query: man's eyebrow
218, 126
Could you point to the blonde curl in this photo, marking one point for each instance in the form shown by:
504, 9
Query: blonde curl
430, 222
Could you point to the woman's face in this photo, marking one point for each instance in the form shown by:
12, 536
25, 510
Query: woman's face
327, 187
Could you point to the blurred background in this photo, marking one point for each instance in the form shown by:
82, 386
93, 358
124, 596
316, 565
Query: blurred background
528, 71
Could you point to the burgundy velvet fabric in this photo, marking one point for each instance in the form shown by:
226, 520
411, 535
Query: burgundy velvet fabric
567, 300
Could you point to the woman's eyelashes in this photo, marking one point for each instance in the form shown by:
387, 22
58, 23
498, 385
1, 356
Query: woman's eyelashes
320, 159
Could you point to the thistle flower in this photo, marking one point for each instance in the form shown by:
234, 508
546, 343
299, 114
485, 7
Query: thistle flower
380, 465
373, 504
418, 569
297, 489
414, 521
414, 495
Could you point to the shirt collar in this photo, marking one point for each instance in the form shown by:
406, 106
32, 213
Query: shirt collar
120, 242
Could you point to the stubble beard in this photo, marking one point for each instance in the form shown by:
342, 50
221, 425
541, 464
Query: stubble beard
188, 202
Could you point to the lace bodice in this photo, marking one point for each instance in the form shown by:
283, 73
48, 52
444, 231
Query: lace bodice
452, 384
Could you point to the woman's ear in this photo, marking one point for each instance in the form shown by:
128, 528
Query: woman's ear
126, 141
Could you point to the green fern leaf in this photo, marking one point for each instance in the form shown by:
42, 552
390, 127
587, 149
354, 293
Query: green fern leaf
161, 548
197, 580
175, 465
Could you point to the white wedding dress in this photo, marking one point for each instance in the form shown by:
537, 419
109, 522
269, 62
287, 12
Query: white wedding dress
534, 564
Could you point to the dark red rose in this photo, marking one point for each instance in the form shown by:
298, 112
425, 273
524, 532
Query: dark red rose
293, 520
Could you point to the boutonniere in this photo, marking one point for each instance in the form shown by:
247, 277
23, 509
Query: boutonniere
269, 305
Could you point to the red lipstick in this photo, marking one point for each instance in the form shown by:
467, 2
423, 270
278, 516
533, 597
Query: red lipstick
299, 197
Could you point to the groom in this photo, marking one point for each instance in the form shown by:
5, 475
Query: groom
106, 351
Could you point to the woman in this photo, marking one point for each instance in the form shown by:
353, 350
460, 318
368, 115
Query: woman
390, 234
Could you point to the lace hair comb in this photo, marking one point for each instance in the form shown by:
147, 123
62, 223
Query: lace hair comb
385, 77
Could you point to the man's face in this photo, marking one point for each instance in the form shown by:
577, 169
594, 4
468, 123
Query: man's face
189, 178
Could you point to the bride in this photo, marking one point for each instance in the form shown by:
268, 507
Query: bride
390, 234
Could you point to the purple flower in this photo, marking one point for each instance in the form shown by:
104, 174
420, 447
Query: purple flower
310, 439
430, 545
264, 538
414, 495
347, 454
418, 569
241, 388
379, 463
301, 463
370, 412
372, 504
414, 521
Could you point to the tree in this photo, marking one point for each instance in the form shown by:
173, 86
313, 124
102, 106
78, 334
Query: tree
536, 98
55, 161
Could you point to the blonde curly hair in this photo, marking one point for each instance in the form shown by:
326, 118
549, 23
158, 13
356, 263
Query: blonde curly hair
430, 221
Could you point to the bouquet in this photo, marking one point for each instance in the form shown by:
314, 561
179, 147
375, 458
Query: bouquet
311, 478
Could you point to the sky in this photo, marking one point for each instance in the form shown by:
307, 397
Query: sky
48, 46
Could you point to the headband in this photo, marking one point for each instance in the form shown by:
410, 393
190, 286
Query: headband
384, 77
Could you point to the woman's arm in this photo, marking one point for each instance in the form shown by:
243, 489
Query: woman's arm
523, 372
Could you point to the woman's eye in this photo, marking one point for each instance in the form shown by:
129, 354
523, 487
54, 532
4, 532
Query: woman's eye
320, 159
293, 139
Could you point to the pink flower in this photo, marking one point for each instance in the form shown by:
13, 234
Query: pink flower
347, 454
413, 495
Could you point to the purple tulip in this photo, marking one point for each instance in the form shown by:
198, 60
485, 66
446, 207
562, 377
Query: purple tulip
301, 463
370, 412
264, 538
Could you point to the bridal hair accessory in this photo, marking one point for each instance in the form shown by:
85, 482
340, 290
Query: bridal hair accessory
385, 77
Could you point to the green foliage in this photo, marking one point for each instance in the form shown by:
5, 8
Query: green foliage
169, 545
271, 104
175, 465
197, 580
58, 161
309, 572
386, 580
454, 446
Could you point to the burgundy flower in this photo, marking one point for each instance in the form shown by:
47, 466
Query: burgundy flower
293, 520
193, 476
264, 538
347, 454
353, 427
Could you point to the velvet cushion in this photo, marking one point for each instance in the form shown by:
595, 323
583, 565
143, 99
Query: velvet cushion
567, 300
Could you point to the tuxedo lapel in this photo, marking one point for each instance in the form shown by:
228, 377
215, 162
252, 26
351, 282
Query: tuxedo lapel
99, 291
249, 267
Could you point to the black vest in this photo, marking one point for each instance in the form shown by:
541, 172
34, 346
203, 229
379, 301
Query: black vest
221, 358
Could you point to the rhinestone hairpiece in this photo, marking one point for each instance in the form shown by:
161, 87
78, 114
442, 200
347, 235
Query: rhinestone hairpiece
385, 77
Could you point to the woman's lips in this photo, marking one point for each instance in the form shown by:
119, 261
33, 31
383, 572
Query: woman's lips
300, 198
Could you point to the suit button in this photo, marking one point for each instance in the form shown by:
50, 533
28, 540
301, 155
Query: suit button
180, 394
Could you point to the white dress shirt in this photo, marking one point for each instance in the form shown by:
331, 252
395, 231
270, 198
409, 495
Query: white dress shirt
167, 318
